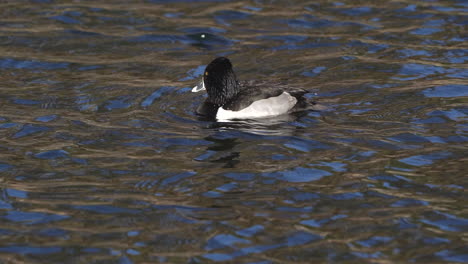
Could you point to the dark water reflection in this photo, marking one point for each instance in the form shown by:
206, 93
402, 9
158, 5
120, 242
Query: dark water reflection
102, 159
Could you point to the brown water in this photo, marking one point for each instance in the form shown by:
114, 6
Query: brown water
102, 159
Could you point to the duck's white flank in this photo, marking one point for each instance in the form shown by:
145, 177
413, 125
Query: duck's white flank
272, 106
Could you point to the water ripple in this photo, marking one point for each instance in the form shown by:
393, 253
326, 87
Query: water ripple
99, 140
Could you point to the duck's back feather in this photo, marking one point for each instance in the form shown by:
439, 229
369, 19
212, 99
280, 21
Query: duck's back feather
252, 91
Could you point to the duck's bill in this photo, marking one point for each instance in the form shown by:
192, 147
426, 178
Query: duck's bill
199, 87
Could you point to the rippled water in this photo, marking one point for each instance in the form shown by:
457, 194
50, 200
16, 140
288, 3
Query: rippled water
103, 160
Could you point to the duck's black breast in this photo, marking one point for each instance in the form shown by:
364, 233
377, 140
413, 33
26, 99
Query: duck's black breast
252, 91
207, 109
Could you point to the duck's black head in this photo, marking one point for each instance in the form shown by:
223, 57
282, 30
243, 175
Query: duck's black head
220, 81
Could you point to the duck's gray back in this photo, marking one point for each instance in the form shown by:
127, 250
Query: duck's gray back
252, 91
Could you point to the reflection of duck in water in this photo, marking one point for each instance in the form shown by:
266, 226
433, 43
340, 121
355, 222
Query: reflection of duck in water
230, 99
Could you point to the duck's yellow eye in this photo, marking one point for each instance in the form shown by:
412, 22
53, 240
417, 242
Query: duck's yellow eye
206, 73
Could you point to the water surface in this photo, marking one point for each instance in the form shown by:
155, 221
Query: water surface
102, 159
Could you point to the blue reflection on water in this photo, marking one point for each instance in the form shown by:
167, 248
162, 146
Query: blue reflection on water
106, 209
453, 90
16, 193
427, 159
65, 19
250, 231
314, 72
29, 129
295, 239
459, 255
445, 221
155, 95
33, 218
194, 73
5, 167
9, 63
25, 101
374, 241
52, 154
30, 250
46, 118
121, 102
298, 174
240, 176
224, 240
425, 31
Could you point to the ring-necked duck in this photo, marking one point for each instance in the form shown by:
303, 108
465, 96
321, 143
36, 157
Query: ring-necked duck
230, 99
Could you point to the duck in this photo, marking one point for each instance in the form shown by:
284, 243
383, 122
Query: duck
229, 99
